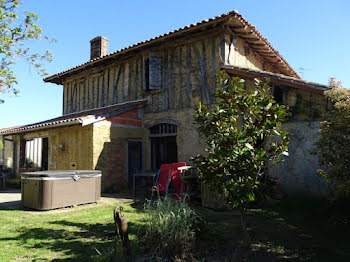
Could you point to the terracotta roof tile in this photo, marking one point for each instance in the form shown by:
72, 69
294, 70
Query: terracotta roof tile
288, 70
77, 118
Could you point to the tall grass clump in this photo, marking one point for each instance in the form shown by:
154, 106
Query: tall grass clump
171, 229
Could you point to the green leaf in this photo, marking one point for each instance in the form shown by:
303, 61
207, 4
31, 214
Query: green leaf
285, 153
249, 146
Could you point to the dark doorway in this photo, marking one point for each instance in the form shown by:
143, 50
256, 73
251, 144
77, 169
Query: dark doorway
45, 154
163, 144
134, 159
163, 151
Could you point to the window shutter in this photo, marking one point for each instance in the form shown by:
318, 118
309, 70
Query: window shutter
155, 71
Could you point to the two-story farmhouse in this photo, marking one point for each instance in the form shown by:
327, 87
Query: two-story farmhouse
132, 109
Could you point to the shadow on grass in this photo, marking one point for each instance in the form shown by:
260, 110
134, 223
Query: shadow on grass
296, 230
312, 228
74, 241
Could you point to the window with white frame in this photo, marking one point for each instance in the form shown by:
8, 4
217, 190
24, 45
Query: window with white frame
36, 153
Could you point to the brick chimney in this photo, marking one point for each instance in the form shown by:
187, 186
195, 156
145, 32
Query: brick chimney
98, 47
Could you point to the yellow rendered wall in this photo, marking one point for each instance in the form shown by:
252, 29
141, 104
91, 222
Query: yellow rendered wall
70, 147
238, 53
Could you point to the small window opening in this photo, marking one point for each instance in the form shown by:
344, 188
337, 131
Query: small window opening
164, 129
146, 72
278, 94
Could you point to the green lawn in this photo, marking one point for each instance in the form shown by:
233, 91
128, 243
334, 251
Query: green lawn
290, 231
72, 234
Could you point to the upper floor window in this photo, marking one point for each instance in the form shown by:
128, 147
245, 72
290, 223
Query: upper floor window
153, 72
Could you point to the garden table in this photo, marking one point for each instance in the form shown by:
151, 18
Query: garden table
143, 174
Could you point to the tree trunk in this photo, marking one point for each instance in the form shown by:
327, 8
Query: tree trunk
246, 237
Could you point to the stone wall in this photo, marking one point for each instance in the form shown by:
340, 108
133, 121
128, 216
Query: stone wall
189, 143
297, 175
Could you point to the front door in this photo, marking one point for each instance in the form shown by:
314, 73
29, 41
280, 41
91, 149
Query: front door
134, 159
163, 151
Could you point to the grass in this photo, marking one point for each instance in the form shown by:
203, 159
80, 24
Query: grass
73, 234
295, 230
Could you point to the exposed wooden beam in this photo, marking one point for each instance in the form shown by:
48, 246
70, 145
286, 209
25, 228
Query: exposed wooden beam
257, 44
243, 33
250, 40
237, 27
276, 80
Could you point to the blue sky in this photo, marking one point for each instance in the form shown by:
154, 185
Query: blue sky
309, 34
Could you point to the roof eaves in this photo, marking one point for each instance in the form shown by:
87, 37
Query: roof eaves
274, 76
83, 117
246, 23
31, 128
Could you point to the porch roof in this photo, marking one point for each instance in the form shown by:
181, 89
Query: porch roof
275, 78
82, 118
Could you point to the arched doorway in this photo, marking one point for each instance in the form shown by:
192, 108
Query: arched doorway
163, 144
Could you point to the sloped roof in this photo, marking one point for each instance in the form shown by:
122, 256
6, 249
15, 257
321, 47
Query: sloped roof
275, 78
236, 22
83, 118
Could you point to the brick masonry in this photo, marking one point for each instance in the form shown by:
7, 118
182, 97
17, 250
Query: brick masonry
112, 162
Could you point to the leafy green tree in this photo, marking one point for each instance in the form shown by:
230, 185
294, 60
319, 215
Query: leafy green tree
15, 33
243, 135
334, 143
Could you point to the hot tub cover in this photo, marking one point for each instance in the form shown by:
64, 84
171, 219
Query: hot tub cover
62, 173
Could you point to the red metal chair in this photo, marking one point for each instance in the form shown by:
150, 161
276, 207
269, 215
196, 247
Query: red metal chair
163, 180
179, 185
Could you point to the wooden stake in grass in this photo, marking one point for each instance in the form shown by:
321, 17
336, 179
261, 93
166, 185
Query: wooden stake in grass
121, 231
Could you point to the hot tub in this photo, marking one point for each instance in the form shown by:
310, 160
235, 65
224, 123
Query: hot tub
45, 190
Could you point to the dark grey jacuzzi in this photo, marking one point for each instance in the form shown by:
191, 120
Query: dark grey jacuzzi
45, 190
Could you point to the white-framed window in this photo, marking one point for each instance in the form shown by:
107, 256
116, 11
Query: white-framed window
36, 153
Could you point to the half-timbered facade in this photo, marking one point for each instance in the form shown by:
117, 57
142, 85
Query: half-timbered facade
161, 79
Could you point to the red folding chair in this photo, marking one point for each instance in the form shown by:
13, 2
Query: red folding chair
163, 181
179, 185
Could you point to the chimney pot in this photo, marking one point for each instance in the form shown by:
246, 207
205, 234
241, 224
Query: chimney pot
98, 47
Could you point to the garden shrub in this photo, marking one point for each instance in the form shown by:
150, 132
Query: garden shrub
171, 229
333, 145
243, 134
